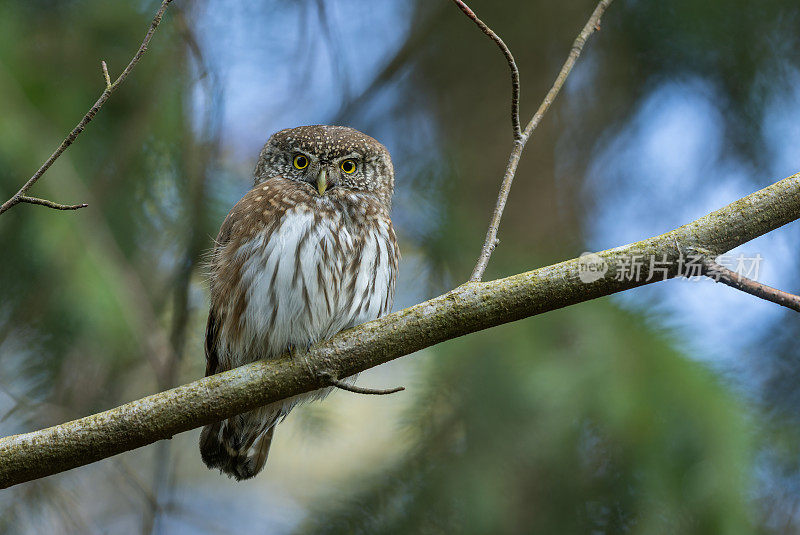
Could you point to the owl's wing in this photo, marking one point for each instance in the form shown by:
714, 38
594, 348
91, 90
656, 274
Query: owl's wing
262, 207
212, 332
213, 323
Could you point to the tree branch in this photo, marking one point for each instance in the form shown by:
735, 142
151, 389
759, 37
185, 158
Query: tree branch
512, 65
593, 24
720, 273
51, 204
19, 196
472, 307
360, 389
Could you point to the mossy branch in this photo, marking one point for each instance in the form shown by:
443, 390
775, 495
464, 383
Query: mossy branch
471, 307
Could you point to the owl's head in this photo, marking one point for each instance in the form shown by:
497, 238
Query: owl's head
331, 159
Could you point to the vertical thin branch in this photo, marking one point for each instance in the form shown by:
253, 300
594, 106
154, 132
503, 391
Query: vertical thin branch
19, 196
512, 65
590, 27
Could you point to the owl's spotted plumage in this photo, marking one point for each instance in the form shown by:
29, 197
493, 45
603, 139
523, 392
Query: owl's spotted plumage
306, 253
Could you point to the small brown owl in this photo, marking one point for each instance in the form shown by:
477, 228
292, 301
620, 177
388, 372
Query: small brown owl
306, 253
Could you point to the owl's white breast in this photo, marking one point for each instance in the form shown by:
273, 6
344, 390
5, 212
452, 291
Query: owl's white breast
308, 280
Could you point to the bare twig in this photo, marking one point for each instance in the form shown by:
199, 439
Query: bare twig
19, 196
106, 77
512, 65
51, 204
361, 390
730, 278
591, 26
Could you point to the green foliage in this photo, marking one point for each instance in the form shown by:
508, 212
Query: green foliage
583, 420
69, 279
580, 421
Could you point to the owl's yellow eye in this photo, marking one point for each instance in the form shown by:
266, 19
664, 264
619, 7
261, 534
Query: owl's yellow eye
300, 161
349, 167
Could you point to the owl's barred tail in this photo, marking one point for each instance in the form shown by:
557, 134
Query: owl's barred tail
241, 455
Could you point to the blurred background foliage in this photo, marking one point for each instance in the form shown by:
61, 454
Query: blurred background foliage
669, 409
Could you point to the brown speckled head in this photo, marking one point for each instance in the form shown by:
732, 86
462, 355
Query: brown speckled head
349, 159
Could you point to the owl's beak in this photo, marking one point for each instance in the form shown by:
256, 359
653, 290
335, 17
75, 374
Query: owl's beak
322, 181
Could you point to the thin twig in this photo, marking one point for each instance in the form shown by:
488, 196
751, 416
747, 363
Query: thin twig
512, 65
720, 273
491, 241
18, 197
51, 204
106, 77
361, 390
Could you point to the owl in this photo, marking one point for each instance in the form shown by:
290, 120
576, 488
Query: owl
306, 253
